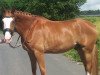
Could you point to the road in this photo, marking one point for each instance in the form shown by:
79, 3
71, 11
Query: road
16, 62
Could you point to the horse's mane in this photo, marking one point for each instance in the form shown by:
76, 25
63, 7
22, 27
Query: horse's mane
27, 14
23, 13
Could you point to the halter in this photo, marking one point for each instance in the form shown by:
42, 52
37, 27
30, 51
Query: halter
7, 30
7, 16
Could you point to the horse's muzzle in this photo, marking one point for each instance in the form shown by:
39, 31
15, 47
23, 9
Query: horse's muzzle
8, 35
7, 40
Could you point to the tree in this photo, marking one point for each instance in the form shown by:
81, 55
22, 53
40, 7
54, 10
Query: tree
52, 9
90, 12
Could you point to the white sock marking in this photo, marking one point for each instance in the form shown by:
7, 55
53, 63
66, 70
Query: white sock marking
88, 73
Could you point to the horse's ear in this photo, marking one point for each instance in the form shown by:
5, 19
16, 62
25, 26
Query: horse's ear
12, 11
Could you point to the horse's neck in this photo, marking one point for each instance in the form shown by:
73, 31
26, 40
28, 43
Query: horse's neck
23, 24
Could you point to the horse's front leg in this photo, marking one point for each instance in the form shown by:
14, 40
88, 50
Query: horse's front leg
40, 59
33, 62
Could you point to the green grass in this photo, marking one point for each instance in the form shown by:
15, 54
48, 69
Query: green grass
72, 53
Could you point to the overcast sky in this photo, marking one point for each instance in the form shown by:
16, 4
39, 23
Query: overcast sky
91, 5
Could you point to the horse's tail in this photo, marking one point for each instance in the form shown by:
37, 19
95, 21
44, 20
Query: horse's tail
94, 61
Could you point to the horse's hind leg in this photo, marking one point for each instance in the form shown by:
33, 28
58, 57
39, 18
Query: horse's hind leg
94, 70
88, 55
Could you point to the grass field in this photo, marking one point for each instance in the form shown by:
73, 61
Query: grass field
96, 21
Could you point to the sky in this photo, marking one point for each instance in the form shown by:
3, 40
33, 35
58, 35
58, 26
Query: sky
91, 5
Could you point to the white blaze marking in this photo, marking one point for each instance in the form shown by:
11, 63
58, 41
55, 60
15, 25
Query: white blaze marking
88, 73
7, 22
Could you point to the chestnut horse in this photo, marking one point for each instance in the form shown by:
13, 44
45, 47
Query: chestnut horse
40, 35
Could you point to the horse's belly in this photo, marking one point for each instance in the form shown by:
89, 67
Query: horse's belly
60, 48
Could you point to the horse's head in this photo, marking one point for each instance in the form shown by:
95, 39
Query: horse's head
8, 25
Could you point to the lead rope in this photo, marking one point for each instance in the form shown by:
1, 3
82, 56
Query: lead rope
15, 46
